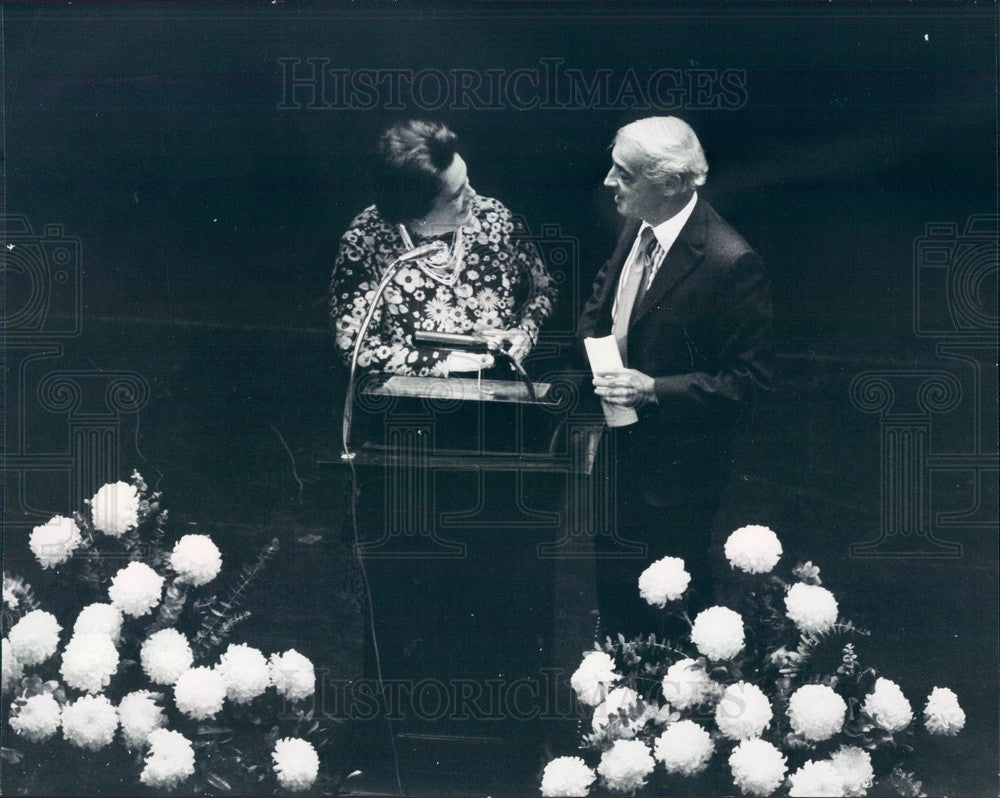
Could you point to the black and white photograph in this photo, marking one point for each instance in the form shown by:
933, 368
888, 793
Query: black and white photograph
500, 399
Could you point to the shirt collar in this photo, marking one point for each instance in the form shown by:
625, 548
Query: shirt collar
666, 232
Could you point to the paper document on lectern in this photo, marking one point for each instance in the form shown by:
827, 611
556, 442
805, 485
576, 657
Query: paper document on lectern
604, 356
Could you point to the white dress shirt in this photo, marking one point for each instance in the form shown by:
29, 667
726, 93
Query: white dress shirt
666, 234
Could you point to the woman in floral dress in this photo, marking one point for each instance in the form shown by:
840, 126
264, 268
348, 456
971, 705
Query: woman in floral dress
490, 282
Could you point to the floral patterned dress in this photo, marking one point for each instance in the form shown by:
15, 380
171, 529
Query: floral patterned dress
502, 284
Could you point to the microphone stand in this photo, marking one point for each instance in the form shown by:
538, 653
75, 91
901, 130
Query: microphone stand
348, 456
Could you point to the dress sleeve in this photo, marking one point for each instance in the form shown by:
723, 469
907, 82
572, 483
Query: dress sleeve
388, 344
541, 298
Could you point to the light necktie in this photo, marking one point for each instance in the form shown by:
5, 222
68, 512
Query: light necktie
636, 282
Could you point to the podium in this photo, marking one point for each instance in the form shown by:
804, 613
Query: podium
468, 491
547, 437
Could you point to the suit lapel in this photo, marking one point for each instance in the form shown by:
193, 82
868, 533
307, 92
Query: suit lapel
684, 255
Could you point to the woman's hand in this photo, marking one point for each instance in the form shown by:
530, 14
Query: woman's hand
519, 341
467, 361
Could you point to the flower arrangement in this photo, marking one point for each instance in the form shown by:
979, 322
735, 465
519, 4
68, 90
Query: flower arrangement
139, 681
767, 700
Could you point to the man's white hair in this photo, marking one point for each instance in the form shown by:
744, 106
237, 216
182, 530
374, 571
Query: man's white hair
670, 147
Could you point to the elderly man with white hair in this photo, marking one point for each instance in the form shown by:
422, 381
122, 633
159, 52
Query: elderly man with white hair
688, 303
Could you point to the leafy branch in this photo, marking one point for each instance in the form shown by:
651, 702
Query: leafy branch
219, 617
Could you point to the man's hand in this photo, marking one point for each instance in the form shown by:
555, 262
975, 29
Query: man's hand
519, 340
628, 387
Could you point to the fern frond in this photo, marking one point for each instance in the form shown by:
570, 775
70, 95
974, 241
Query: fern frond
810, 642
220, 612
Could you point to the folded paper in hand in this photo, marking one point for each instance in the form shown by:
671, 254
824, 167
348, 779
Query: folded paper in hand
604, 356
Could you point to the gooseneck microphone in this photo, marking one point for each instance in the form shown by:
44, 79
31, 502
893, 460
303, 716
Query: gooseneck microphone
431, 248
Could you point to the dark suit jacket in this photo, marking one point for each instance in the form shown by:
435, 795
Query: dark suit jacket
703, 332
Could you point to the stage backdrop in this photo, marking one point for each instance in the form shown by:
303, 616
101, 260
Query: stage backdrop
209, 155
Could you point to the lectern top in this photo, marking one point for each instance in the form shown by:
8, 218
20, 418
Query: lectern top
456, 388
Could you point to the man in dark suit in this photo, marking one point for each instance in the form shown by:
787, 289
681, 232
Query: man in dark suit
688, 303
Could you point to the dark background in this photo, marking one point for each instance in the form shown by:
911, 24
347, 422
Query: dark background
208, 220
152, 131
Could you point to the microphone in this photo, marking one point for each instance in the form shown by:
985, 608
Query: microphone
467, 343
473, 343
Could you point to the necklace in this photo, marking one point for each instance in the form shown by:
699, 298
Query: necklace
442, 267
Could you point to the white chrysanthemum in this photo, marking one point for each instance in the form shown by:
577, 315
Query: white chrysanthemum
292, 675
169, 761
743, 711
684, 748
758, 767
165, 656
816, 712
686, 684
89, 662
139, 714
90, 722
245, 673
54, 542
99, 619
626, 766
10, 598
13, 670
35, 637
621, 698
754, 549
854, 765
196, 559
136, 589
718, 633
567, 777
593, 678
114, 509
812, 608
199, 693
296, 763
36, 718
816, 780
943, 715
665, 580
887, 706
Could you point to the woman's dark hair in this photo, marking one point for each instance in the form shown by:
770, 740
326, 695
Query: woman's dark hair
411, 157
